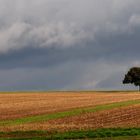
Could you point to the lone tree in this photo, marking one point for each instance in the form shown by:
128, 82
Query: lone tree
133, 77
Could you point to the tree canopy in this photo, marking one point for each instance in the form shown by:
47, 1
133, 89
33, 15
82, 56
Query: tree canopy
133, 77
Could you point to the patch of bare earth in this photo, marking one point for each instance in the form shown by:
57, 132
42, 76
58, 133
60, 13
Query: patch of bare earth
18, 105
119, 117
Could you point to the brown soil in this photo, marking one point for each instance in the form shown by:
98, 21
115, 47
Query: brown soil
18, 105
120, 117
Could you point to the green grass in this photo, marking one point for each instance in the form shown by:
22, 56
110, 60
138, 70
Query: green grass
73, 112
111, 133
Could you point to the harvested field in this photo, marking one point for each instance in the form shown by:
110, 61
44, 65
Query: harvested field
18, 105
119, 117
124, 117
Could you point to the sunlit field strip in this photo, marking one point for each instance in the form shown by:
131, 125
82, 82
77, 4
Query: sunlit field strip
68, 113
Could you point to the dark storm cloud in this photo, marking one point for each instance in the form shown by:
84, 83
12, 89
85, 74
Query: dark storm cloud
83, 43
119, 49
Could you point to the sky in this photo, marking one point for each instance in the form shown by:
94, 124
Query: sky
68, 44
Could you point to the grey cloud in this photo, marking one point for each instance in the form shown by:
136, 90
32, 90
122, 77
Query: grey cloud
65, 23
68, 76
87, 44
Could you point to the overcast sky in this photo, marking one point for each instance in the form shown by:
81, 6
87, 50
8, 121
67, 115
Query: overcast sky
68, 44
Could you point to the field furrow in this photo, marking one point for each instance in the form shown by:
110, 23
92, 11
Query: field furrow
68, 110
118, 117
18, 105
97, 117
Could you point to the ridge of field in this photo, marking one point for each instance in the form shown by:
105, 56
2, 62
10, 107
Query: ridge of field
19, 105
109, 133
19, 123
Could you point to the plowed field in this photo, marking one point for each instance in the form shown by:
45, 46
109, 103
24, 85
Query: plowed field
18, 105
21, 105
120, 117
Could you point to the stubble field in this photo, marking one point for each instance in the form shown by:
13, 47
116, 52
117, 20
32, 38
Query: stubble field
68, 111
